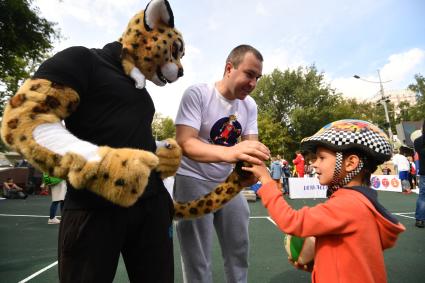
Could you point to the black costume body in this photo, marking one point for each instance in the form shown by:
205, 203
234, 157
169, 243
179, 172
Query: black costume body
93, 231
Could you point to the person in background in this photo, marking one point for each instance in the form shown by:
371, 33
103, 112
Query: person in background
276, 170
211, 119
311, 172
58, 191
352, 228
385, 169
419, 145
416, 161
13, 191
402, 165
412, 172
286, 173
299, 164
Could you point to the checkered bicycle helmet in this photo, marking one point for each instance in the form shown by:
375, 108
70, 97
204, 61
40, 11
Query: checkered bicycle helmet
343, 135
346, 135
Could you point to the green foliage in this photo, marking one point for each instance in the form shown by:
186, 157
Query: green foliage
292, 105
271, 133
296, 103
168, 128
417, 112
25, 39
163, 127
419, 87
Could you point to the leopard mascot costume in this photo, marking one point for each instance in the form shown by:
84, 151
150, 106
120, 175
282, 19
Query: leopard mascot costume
116, 201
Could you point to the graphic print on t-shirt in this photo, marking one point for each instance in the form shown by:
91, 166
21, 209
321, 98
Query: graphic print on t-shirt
226, 131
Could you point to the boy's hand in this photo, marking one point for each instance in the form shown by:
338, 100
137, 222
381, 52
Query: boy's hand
259, 171
305, 267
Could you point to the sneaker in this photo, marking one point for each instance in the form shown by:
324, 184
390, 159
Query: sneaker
53, 221
420, 223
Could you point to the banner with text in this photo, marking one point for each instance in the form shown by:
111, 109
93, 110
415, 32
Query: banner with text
307, 187
310, 187
389, 183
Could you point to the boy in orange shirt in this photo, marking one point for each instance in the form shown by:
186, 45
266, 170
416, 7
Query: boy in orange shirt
351, 228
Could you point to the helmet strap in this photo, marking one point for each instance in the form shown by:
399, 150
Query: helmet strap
337, 182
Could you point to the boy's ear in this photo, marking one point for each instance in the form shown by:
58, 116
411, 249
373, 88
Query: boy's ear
351, 162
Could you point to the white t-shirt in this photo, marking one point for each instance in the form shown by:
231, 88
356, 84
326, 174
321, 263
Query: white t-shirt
401, 162
219, 121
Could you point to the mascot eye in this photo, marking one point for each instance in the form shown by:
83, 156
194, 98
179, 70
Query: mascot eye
175, 50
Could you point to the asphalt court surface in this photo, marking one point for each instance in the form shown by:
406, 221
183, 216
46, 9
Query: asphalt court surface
28, 244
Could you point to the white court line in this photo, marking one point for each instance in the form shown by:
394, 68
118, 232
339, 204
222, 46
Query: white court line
271, 220
403, 214
38, 272
41, 270
263, 217
55, 263
17, 215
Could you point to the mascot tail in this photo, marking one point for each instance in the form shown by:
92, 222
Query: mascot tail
214, 200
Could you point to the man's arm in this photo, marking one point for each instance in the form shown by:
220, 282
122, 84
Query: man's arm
249, 149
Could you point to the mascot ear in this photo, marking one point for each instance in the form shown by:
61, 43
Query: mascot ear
156, 11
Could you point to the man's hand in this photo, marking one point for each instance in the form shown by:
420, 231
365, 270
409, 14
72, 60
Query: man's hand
253, 152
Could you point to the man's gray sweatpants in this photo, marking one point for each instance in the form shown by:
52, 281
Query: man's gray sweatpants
196, 236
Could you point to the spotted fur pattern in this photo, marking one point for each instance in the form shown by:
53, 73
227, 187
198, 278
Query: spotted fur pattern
154, 47
150, 47
37, 102
211, 202
120, 176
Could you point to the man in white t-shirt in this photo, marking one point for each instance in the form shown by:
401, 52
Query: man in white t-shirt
210, 120
402, 167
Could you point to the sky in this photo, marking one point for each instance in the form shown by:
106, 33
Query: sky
341, 38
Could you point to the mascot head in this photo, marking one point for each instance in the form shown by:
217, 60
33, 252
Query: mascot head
152, 47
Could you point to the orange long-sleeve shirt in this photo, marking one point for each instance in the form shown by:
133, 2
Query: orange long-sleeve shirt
350, 234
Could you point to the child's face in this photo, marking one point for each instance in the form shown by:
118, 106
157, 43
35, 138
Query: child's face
324, 165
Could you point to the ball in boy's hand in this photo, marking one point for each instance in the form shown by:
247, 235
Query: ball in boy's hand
300, 250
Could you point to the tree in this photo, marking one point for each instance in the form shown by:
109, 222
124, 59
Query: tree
25, 40
292, 105
168, 129
163, 127
296, 104
417, 112
419, 87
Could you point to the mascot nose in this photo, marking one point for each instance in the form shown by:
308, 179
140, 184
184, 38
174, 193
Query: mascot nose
180, 73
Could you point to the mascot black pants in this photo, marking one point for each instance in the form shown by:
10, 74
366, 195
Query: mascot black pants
91, 241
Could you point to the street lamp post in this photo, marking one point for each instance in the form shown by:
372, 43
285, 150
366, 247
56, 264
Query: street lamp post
384, 100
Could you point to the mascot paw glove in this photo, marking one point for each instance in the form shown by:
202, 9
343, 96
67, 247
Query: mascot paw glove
120, 177
170, 155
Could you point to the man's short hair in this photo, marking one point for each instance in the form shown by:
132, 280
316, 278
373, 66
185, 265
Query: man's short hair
237, 54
